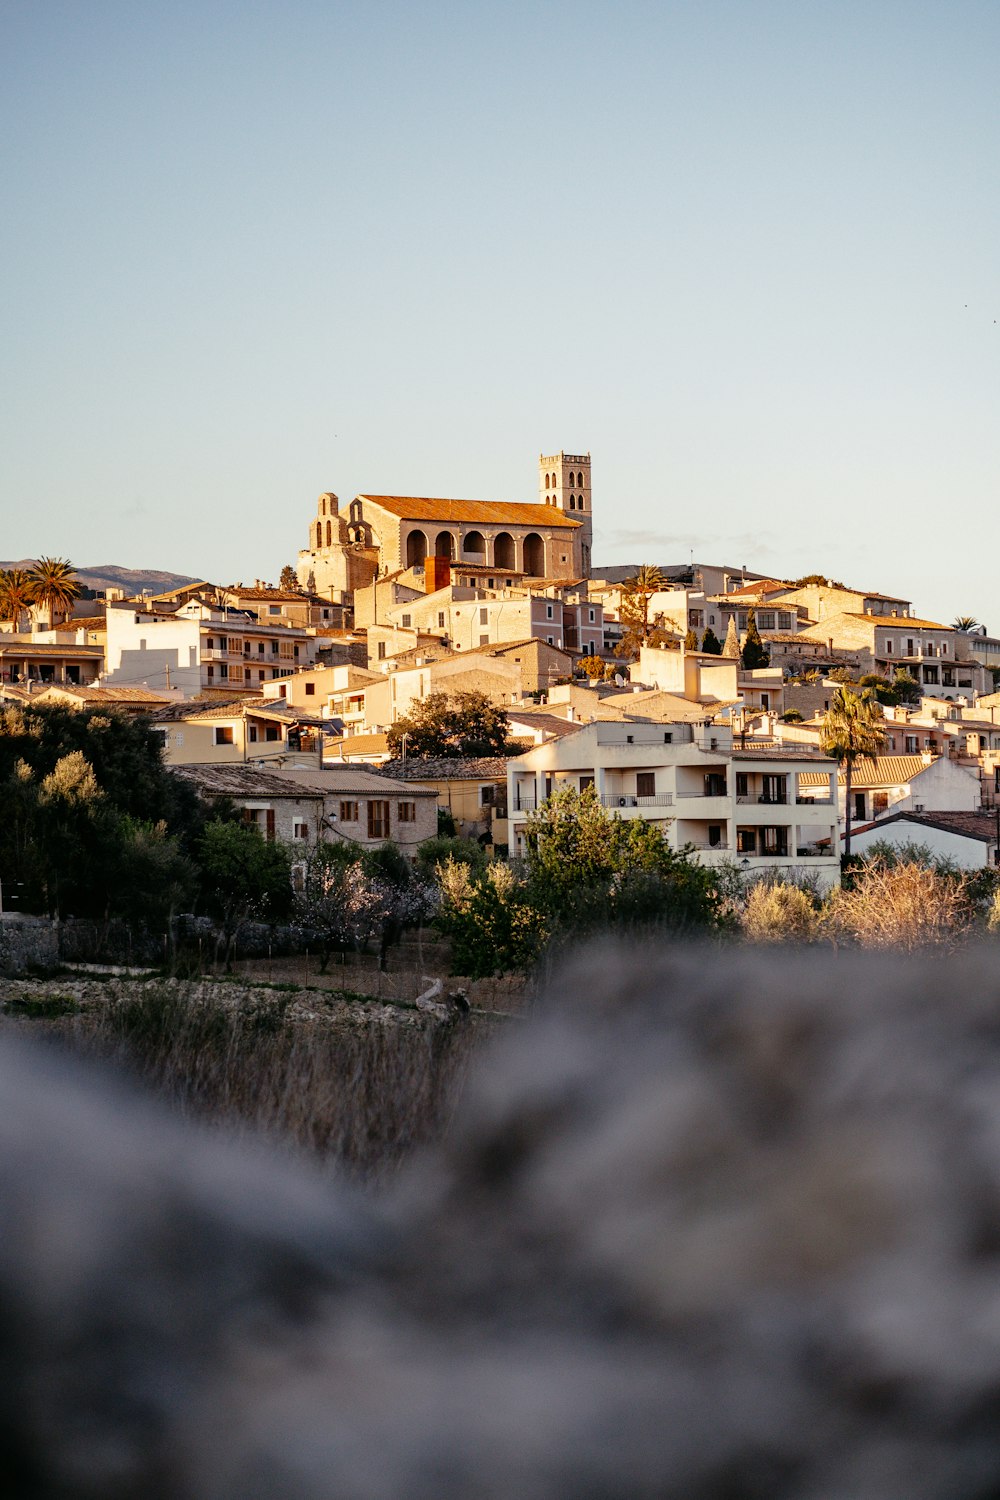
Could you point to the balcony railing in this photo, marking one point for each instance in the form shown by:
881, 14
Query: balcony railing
629, 799
814, 801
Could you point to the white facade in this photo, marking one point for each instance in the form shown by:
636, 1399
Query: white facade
743, 806
965, 850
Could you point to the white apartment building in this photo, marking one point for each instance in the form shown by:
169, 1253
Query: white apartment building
201, 648
743, 806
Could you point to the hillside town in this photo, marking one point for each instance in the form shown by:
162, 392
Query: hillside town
695, 697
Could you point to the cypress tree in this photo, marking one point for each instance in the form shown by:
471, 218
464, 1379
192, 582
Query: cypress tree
710, 642
753, 654
732, 646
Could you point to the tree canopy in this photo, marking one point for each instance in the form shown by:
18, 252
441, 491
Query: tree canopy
754, 653
452, 725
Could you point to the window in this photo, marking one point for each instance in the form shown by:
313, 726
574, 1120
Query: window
300, 830
742, 784
407, 812
209, 641
223, 735
784, 620
888, 648
484, 640
272, 733
487, 796
746, 841
274, 609
774, 840
407, 620
484, 617
252, 734
668, 738
348, 812
714, 836
593, 616
381, 651
440, 619
310, 690
775, 789
910, 744
765, 620
378, 819
274, 648
223, 672
548, 611
586, 781
645, 784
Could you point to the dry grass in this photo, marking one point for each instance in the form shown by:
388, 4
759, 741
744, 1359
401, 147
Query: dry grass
776, 913
359, 1085
905, 906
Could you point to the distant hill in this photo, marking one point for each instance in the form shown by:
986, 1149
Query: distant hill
109, 576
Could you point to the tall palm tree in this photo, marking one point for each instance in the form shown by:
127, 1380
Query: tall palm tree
17, 594
853, 729
55, 585
965, 623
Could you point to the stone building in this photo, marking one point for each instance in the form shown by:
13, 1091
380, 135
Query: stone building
382, 533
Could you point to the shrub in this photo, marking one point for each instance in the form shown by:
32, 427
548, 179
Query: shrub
778, 913
901, 906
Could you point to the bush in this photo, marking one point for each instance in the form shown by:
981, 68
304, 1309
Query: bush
779, 913
901, 906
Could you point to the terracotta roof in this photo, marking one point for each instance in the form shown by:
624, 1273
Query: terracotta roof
761, 586
356, 744
531, 640
882, 770
898, 622
444, 768
241, 781
109, 694
276, 596
489, 512
347, 778
980, 825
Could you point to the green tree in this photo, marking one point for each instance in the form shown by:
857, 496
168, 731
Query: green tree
452, 725
17, 594
906, 687
753, 654
55, 586
245, 878
289, 580
853, 729
710, 643
592, 667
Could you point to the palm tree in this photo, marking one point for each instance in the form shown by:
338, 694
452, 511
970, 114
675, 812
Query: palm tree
55, 585
17, 594
638, 628
965, 623
853, 729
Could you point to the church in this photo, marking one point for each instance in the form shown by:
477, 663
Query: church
380, 534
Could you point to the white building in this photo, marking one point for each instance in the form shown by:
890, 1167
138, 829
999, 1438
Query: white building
735, 805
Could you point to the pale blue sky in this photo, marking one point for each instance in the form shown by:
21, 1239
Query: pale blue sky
746, 254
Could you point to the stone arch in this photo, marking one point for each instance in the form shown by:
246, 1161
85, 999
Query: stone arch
474, 545
504, 555
416, 549
444, 545
534, 555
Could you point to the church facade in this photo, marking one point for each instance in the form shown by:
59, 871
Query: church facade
382, 533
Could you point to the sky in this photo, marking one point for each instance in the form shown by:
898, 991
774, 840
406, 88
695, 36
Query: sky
746, 254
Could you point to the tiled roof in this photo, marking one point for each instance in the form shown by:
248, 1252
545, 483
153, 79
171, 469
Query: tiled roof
275, 596
241, 781
503, 647
899, 622
351, 779
443, 768
489, 512
356, 744
980, 825
111, 694
761, 586
882, 770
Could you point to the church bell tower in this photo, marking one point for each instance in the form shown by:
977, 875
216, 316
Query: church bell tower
564, 481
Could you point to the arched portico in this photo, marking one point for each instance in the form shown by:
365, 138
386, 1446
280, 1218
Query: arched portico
416, 549
504, 553
444, 545
534, 555
474, 545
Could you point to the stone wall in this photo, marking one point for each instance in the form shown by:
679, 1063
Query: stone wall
28, 944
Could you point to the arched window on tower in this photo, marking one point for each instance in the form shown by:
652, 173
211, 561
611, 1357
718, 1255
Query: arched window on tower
319, 533
579, 481
553, 481
546, 481
572, 502
329, 533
